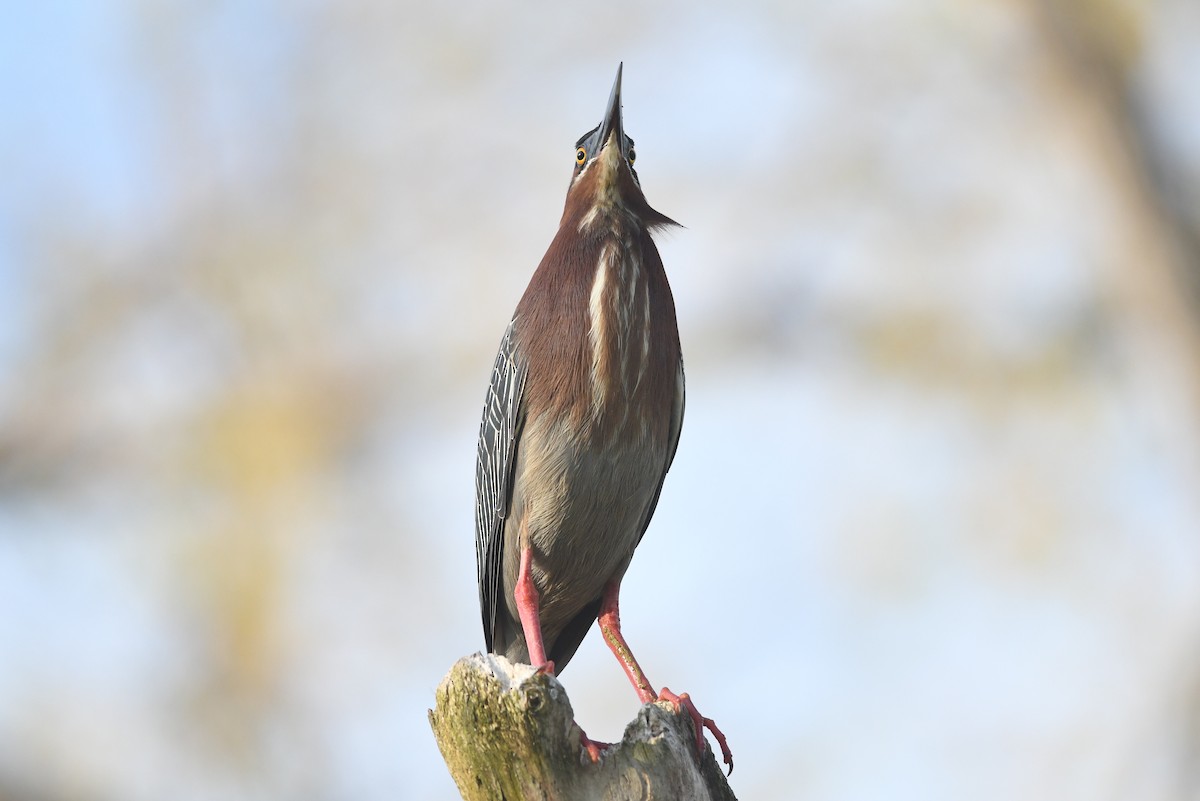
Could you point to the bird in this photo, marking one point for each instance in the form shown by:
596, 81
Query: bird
581, 422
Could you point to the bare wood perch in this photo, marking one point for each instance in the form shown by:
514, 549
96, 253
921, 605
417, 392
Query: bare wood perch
508, 732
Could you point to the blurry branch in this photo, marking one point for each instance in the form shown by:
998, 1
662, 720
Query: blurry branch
508, 732
1102, 44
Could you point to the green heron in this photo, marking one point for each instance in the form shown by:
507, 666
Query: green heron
580, 424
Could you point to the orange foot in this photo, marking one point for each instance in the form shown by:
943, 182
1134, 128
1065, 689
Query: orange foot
681, 702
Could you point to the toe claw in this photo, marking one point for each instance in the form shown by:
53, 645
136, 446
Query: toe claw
684, 702
726, 754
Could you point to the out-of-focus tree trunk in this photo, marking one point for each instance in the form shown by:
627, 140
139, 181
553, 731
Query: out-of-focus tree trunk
1099, 46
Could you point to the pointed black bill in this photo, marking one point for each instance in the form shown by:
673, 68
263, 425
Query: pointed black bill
612, 115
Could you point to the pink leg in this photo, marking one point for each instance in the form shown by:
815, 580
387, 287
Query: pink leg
528, 601
610, 627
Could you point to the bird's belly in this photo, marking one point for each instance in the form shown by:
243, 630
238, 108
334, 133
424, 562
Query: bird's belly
582, 506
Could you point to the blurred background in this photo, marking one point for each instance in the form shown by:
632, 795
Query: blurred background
933, 530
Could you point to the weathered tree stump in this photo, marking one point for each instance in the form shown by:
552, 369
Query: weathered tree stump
508, 732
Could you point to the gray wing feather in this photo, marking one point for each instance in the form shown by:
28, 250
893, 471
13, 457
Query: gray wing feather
495, 461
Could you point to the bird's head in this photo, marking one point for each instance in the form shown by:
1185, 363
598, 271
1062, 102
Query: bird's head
604, 181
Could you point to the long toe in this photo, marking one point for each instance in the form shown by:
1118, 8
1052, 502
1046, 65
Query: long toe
684, 702
593, 747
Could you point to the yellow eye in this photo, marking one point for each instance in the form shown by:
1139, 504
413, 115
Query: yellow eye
580, 156
632, 156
